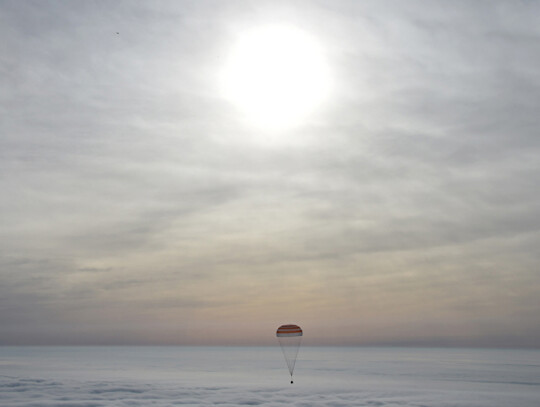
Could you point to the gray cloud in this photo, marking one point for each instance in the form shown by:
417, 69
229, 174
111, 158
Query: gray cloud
129, 183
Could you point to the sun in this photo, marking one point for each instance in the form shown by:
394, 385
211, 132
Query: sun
276, 76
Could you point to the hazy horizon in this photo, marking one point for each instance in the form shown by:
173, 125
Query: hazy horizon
201, 172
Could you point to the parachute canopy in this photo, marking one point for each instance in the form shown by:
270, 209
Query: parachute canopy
289, 337
288, 330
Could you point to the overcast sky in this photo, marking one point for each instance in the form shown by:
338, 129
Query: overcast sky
138, 204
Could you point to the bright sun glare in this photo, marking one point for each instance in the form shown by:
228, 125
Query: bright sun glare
276, 76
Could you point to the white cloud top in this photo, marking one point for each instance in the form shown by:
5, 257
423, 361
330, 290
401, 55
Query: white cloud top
327, 377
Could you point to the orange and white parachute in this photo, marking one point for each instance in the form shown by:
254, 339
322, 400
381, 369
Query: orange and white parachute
289, 337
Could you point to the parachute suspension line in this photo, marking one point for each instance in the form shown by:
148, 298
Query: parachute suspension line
290, 347
290, 337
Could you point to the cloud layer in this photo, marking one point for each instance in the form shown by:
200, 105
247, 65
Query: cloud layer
325, 377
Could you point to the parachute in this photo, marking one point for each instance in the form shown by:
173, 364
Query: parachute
289, 337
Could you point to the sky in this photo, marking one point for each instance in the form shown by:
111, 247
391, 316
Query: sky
145, 199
